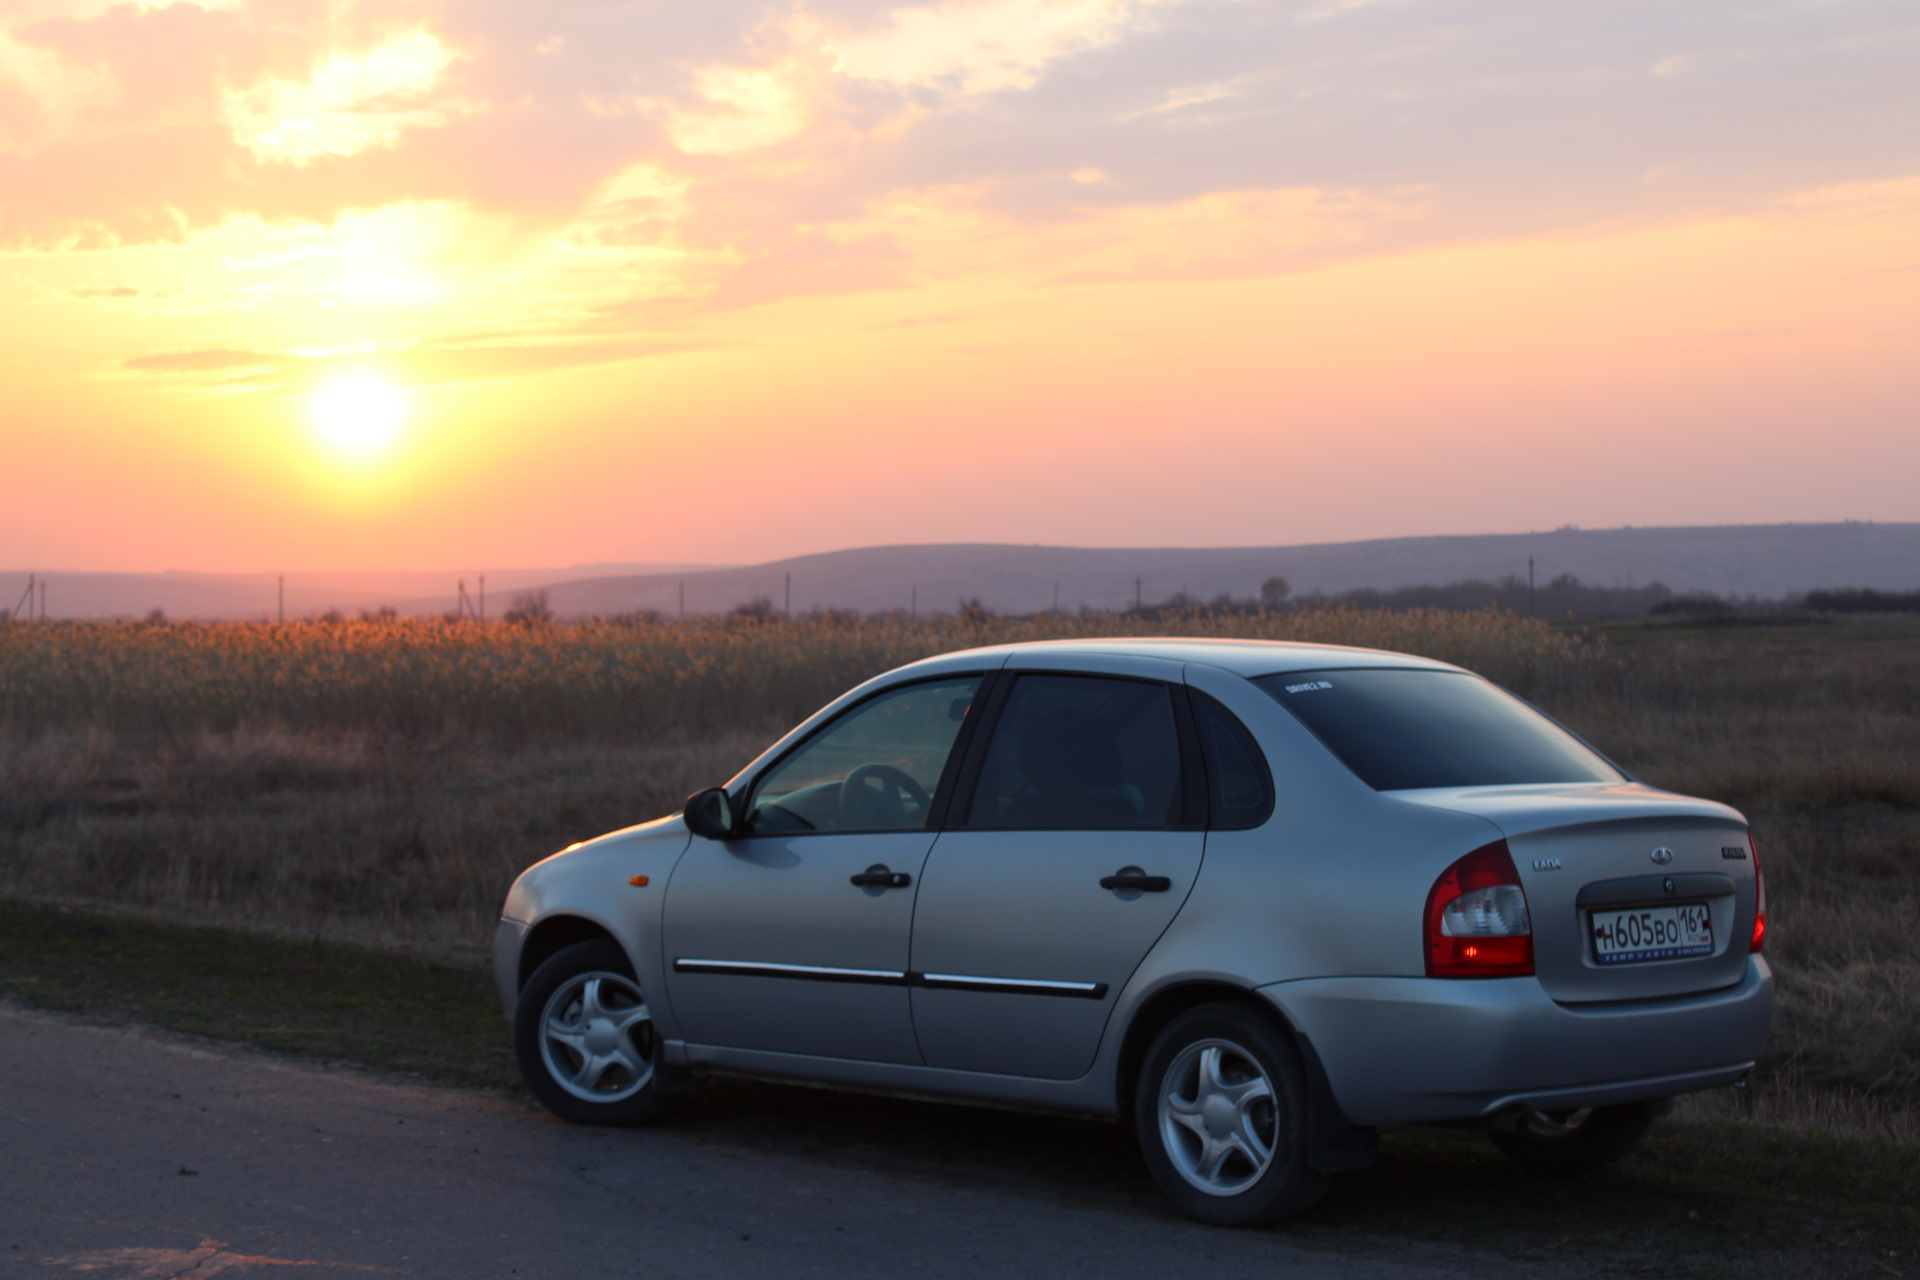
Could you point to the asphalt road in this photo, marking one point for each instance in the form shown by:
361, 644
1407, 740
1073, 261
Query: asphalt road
124, 1154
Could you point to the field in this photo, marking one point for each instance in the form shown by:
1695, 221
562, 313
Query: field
383, 783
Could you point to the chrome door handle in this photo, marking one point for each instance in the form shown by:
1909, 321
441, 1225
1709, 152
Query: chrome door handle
881, 878
1136, 880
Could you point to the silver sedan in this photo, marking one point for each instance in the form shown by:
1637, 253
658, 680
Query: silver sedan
1259, 899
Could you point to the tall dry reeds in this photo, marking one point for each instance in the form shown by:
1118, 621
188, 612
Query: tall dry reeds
600, 679
389, 780
1816, 738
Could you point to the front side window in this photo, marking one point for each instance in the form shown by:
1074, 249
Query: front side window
1401, 728
873, 769
1081, 751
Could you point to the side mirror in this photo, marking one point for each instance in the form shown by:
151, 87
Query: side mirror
709, 813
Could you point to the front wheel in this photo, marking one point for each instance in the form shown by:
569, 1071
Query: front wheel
583, 1034
1221, 1110
1570, 1143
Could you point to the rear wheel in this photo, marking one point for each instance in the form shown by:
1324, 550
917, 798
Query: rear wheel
1570, 1143
1221, 1108
583, 1034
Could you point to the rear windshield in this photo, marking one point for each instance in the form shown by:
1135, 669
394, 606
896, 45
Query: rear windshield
1400, 729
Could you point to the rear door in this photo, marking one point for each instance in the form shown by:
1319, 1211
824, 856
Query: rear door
1074, 839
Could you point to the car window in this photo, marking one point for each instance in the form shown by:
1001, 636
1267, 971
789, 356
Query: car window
1081, 751
875, 768
1400, 729
1239, 784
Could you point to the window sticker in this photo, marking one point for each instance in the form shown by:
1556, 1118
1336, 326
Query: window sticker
1309, 686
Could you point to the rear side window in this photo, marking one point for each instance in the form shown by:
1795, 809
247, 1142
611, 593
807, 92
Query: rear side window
1081, 751
1401, 729
1239, 784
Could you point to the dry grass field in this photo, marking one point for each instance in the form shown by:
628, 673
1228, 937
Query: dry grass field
385, 782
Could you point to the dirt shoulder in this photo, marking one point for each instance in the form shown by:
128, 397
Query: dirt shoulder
1701, 1198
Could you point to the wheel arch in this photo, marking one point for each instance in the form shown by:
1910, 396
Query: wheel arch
1334, 1143
553, 935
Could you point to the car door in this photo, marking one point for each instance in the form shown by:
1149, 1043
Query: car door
1079, 838
794, 937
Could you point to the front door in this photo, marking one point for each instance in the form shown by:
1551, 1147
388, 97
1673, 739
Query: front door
795, 937
1071, 859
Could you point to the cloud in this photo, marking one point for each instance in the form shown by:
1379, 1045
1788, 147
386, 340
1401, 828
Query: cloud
208, 361
416, 366
973, 47
351, 102
641, 163
742, 110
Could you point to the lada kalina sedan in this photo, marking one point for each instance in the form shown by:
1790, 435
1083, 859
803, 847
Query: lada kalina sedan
1257, 898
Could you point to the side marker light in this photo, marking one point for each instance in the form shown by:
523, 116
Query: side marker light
638, 882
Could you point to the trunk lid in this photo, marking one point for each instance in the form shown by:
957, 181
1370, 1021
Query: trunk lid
1626, 858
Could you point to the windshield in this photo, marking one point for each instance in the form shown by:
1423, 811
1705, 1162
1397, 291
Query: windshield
1400, 729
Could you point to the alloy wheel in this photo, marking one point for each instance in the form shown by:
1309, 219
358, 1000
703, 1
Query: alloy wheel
1218, 1119
596, 1037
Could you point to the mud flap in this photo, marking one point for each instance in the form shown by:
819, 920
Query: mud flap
1334, 1145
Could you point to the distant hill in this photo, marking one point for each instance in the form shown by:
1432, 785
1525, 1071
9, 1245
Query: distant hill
1761, 560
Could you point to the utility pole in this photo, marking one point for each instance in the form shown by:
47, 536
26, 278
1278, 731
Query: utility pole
43, 599
26, 598
483, 597
283, 599
913, 609
1530, 612
683, 601
786, 610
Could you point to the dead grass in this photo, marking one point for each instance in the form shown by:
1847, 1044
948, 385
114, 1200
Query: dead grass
385, 783
380, 838
1814, 735
604, 680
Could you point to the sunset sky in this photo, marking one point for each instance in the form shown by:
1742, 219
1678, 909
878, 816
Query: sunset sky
305, 284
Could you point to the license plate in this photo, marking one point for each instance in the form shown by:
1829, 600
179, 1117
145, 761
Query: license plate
1652, 933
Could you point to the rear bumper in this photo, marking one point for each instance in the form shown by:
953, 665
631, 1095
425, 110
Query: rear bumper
1409, 1050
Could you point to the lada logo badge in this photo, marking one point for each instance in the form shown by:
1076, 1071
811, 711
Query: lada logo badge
1662, 856
1546, 864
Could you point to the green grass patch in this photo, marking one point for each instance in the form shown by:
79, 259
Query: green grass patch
320, 999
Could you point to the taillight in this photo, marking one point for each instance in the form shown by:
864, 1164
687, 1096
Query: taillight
1759, 898
1477, 924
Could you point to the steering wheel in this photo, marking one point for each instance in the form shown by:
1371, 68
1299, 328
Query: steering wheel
868, 807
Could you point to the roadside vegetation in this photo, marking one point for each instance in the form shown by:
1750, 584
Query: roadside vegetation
381, 782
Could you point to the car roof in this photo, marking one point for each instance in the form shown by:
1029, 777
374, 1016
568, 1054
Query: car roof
1242, 657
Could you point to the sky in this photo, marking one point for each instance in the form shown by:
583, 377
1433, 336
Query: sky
351, 284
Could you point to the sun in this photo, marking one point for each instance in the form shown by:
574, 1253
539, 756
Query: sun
358, 415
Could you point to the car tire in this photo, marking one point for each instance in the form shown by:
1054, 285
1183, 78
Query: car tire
584, 1038
1573, 1144
1221, 1112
